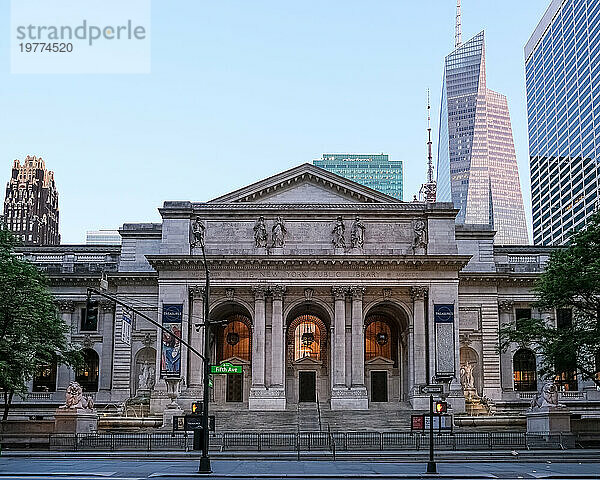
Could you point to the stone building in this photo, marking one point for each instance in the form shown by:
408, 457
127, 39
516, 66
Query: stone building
31, 203
323, 290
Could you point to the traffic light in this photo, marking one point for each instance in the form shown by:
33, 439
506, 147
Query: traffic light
196, 408
91, 315
441, 407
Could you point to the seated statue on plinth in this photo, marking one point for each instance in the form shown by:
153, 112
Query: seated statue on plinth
74, 398
547, 397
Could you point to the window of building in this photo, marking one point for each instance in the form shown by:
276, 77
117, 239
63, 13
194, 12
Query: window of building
524, 371
378, 339
522, 314
564, 318
307, 339
44, 379
235, 338
87, 373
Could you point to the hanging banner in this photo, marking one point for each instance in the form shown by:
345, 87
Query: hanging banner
126, 329
443, 315
172, 316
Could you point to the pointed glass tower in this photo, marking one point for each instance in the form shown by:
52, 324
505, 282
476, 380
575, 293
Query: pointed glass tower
477, 165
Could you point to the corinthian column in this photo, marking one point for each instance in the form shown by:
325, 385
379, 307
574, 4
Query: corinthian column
419, 344
258, 339
195, 370
277, 343
108, 318
339, 363
358, 338
64, 374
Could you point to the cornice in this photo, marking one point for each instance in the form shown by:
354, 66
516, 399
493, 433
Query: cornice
498, 278
381, 262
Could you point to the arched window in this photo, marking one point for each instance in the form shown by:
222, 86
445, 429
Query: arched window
524, 368
378, 339
235, 338
307, 338
87, 373
44, 379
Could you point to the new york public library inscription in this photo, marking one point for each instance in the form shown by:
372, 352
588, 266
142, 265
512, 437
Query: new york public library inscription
308, 274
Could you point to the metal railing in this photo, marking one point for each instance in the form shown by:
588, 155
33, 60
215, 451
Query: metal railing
334, 442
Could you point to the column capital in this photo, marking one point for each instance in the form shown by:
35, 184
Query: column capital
339, 293
259, 292
107, 306
418, 292
277, 291
65, 306
505, 305
357, 292
196, 291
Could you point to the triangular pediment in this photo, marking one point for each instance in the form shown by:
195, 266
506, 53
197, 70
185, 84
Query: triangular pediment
380, 361
305, 184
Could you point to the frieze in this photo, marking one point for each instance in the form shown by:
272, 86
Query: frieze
348, 393
267, 392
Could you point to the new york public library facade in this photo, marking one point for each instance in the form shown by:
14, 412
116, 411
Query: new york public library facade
325, 291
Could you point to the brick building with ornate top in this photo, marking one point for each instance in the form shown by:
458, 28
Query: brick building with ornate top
31, 203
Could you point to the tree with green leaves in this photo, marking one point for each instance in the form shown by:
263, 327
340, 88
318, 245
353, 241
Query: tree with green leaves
32, 334
570, 284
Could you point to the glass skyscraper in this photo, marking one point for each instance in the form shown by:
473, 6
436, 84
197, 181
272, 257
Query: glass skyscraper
477, 165
562, 72
375, 171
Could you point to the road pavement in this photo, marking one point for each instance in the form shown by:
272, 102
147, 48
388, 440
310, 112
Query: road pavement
76, 467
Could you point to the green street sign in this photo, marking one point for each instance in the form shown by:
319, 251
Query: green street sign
226, 368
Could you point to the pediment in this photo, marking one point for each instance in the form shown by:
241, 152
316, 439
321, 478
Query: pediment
380, 361
308, 361
305, 184
236, 361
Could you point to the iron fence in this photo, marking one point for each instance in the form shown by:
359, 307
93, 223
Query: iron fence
293, 441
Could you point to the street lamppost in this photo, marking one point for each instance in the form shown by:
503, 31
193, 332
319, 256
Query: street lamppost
198, 232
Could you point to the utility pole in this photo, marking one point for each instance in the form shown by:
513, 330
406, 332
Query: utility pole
205, 459
431, 466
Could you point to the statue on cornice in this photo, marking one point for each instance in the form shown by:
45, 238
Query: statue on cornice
260, 233
338, 239
420, 238
198, 233
278, 233
357, 233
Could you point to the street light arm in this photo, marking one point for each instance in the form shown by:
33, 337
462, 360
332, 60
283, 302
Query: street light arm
123, 304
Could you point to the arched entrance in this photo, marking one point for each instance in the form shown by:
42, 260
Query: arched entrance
386, 354
307, 358
232, 342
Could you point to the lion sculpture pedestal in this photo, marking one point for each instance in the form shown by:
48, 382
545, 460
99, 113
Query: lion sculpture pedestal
547, 416
77, 415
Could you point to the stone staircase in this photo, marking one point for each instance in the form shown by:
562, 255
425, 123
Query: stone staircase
305, 417
308, 417
387, 418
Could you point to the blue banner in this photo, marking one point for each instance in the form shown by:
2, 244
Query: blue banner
443, 313
170, 362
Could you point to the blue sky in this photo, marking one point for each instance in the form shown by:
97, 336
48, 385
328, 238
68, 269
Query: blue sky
241, 90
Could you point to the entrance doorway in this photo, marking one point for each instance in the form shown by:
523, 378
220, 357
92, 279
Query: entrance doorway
379, 387
234, 387
308, 387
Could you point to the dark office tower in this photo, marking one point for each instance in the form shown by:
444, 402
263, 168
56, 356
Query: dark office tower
562, 72
31, 203
477, 165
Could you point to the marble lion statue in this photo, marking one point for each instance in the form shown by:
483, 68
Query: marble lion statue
548, 397
74, 396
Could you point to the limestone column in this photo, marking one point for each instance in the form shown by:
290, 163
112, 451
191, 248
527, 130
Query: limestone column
505, 312
418, 295
277, 337
258, 339
64, 374
108, 328
339, 363
196, 365
358, 338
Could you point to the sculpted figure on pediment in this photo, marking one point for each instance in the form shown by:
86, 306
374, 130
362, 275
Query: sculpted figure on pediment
339, 229
278, 233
